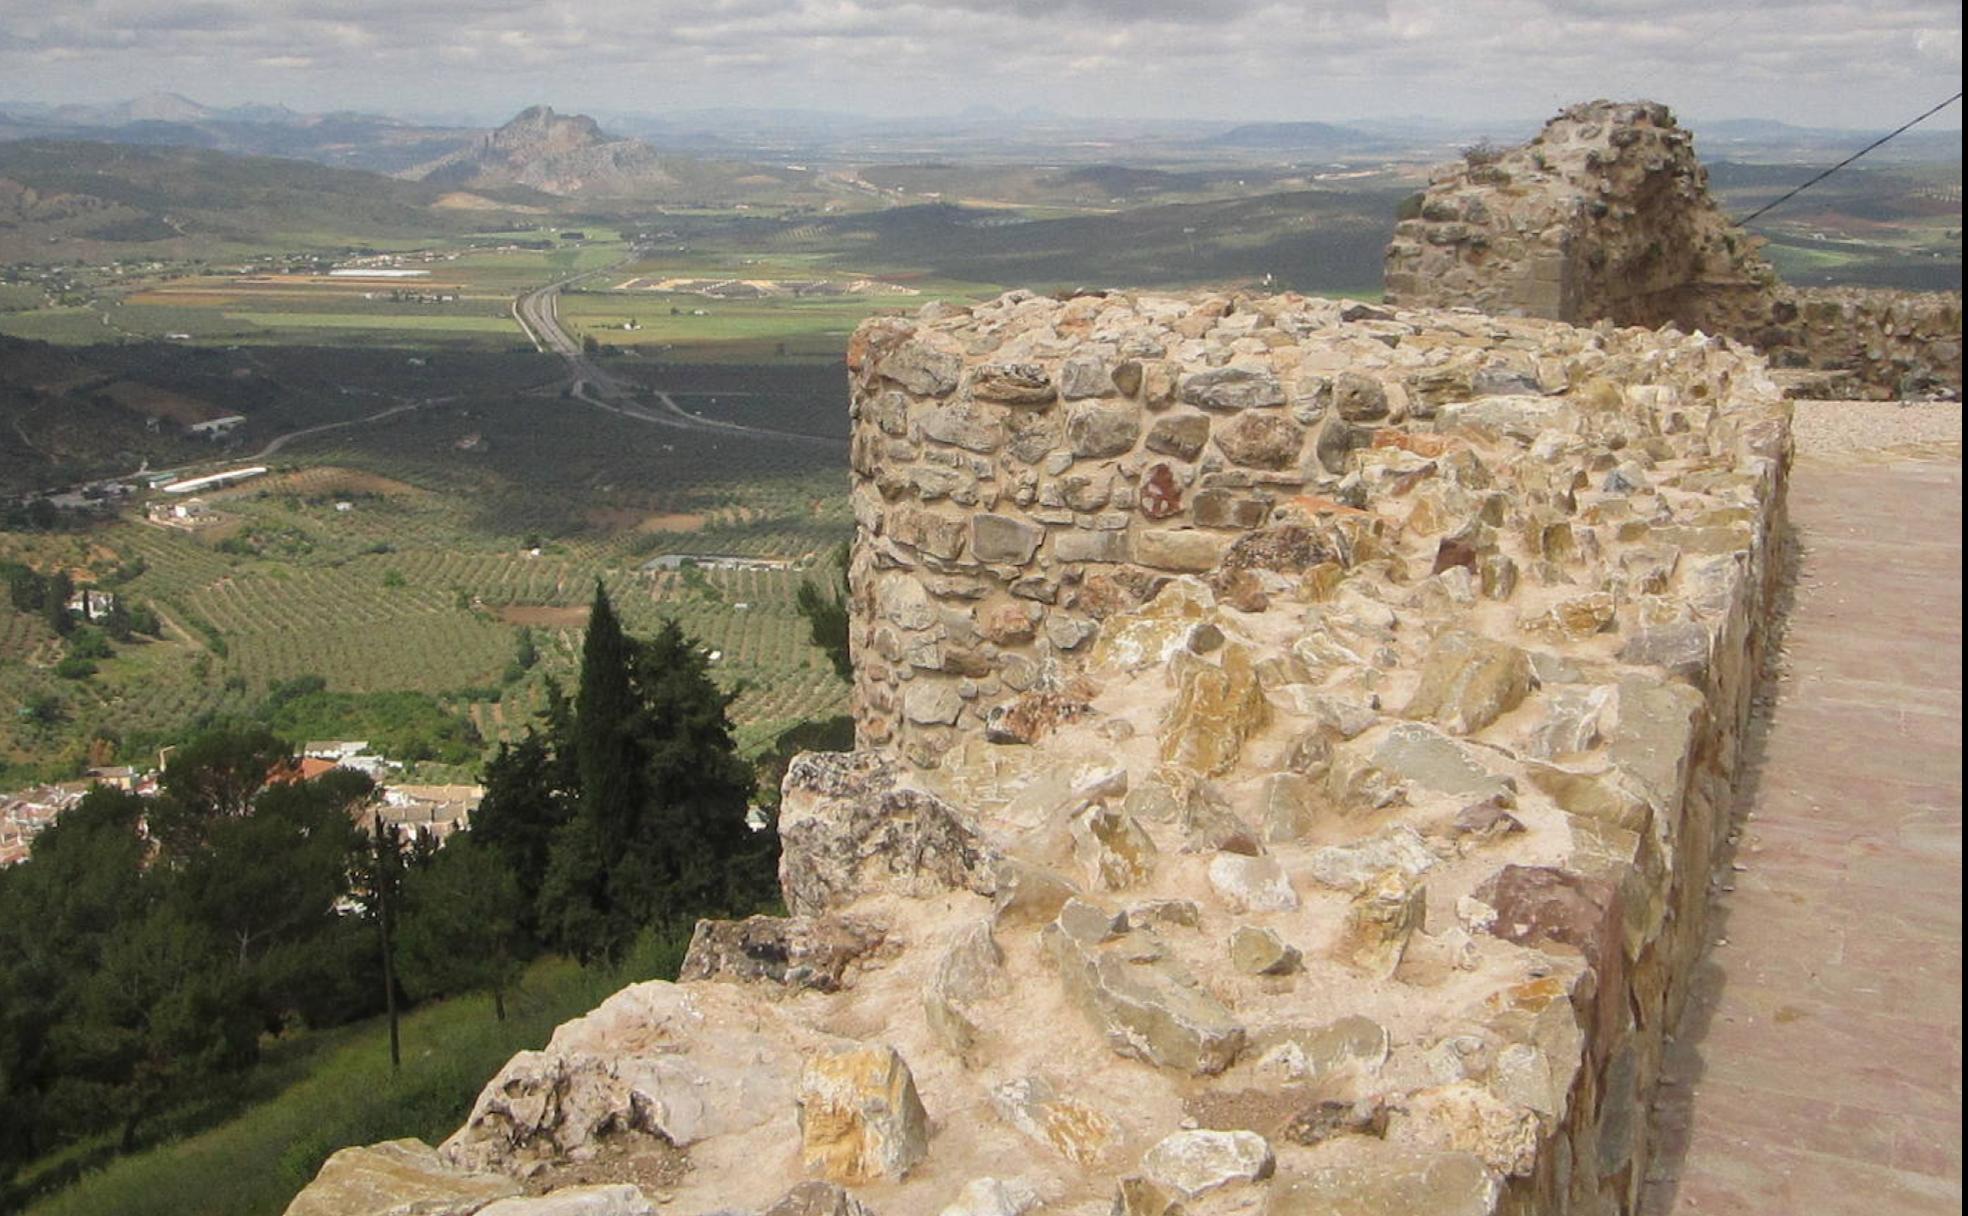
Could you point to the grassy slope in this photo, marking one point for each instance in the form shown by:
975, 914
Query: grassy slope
335, 1088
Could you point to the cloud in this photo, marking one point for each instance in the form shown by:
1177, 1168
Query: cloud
1827, 61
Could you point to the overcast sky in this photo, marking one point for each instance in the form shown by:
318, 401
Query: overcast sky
1858, 63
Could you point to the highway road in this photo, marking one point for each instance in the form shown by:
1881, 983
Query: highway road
538, 314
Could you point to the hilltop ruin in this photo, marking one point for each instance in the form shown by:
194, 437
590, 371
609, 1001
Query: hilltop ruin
1294, 740
1606, 216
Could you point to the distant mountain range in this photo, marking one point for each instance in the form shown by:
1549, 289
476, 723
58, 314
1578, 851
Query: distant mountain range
717, 153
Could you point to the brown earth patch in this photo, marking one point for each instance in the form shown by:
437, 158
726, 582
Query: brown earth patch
629, 519
545, 616
329, 479
154, 402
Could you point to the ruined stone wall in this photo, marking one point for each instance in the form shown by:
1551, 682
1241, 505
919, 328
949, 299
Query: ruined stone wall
1296, 737
1605, 215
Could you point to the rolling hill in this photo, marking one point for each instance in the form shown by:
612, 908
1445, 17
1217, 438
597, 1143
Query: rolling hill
65, 199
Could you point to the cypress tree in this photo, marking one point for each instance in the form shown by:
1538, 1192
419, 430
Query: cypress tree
605, 753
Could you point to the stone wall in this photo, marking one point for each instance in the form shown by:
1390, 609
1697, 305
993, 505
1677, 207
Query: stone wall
1296, 736
1606, 215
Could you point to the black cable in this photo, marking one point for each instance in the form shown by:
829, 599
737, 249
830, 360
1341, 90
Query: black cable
1744, 221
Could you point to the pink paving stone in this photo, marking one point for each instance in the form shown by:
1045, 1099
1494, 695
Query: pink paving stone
1817, 1071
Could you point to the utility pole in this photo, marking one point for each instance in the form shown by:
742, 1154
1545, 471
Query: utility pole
385, 879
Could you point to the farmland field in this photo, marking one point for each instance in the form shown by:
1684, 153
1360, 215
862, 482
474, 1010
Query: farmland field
407, 555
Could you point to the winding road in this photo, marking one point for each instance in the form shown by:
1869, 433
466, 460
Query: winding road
538, 314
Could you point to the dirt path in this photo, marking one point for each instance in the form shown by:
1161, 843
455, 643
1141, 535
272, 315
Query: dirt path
1818, 1068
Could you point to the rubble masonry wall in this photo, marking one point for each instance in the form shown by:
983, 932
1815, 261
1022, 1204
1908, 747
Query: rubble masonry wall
1606, 215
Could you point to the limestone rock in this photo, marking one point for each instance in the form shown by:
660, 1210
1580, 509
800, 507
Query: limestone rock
1231, 388
923, 369
1028, 894
1180, 550
846, 830
1146, 1010
606, 1199
994, 1197
1179, 435
1076, 1131
860, 1118
970, 971
1097, 431
1194, 1163
1257, 951
817, 1198
396, 1178
683, 1062
1354, 867
1308, 1053
797, 951
1380, 922
1012, 383
1004, 538
1216, 708
1116, 852
1391, 1181
1467, 682
1466, 1117
1252, 884
1261, 441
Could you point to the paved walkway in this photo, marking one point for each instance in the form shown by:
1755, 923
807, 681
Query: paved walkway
1818, 1069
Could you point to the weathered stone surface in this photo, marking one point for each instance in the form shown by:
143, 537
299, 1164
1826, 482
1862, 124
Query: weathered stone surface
1358, 398
397, 1178
1150, 1011
641, 1063
1179, 435
1382, 920
1232, 388
1392, 1181
1028, 894
797, 951
1465, 1117
1116, 852
860, 1118
1003, 538
817, 1198
1099, 431
1216, 708
1467, 682
1261, 440
1256, 951
964, 425
1194, 1163
1076, 1131
1252, 884
603, 1199
846, 830
994, 1197
922, 369
1179, 550
1419, 756
1354, 867
1307, 1053
1012, 383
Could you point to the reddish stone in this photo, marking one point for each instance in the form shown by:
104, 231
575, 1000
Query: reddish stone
1160, 496
1451, 553
1539, 905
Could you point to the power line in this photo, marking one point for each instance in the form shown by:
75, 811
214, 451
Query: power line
1784, 198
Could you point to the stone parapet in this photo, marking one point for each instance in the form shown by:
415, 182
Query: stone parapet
1296, 736
1606, 215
